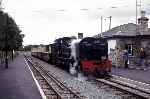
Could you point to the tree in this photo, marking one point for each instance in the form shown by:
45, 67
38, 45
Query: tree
10, 37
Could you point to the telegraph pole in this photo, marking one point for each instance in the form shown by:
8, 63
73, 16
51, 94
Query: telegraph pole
136, 15
140, 5
101, 24
110, 19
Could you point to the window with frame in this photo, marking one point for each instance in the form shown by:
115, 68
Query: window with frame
130, 49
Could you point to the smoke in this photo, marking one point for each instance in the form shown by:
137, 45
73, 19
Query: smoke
74, 44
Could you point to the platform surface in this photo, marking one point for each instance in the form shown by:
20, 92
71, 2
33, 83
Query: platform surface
16, 82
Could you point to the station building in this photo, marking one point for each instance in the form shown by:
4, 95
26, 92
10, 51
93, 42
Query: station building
131, 37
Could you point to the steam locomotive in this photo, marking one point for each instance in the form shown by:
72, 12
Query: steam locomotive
88, 55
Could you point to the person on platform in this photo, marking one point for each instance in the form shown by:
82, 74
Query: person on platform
142, 57
125, 58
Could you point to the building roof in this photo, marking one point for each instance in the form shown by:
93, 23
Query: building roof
125, 30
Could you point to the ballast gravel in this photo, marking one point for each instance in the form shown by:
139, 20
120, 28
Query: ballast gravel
81, 85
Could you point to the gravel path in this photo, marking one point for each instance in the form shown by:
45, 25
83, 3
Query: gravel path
86, 88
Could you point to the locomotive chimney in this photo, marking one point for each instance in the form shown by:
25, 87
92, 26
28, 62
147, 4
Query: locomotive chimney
80, 35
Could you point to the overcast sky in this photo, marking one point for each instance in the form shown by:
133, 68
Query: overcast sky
42, 21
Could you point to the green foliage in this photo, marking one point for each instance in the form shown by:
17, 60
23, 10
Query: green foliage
10, 37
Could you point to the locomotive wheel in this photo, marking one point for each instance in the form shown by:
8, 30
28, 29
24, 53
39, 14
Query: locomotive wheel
100, 74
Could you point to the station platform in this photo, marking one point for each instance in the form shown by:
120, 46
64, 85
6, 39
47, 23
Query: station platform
137, 73
16, 82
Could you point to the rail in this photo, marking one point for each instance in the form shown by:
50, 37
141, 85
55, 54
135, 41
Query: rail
127, 86
61, 91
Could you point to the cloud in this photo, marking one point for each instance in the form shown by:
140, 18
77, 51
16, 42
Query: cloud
84, 9
44, 20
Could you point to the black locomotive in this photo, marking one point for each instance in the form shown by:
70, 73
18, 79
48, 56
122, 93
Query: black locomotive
89, 55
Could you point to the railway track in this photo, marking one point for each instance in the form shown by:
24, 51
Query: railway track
52, 88
135, 88
121, 86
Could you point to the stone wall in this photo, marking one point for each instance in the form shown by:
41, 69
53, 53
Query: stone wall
133, 59
119, 52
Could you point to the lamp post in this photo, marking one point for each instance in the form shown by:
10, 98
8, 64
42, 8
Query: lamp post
6, 42
110, 22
